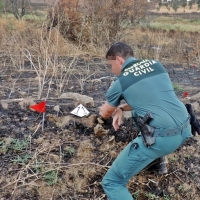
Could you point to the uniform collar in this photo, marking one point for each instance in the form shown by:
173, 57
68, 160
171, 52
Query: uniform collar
128, 60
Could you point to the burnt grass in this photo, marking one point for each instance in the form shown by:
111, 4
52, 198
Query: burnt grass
68, 161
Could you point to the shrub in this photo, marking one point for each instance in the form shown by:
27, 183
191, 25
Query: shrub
94, 21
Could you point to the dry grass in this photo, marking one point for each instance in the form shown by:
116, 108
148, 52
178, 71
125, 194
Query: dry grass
26, 45
30, 47
168, 46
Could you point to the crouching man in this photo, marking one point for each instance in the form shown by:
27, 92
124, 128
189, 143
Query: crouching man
162, 118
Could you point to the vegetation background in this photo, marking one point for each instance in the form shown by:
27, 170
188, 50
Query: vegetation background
48, 39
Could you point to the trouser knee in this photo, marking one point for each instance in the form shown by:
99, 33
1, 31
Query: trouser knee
104, 183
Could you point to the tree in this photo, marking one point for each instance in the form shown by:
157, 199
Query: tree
1, 6
190, 4
184, 3
17, 7
159, 4
175, 5
167, 6
198, 3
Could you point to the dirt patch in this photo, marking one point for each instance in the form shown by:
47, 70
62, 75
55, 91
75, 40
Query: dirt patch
68, 160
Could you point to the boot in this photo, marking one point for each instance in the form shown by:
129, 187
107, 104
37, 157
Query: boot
159, 165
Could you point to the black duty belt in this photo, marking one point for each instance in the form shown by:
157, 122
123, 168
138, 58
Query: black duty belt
170, 132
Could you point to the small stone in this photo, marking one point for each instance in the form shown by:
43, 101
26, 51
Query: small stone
3, 127
99, 131
100, 121
56, 108
112, 138
113, 154
8, 140
4, 105
54, 157
90, 121
39, 140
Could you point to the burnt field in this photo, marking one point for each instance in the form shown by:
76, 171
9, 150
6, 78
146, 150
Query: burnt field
68, 159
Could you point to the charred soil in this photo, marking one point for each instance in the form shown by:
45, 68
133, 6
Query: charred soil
67, 160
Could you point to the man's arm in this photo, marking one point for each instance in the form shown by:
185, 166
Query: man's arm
125, 107
106, 110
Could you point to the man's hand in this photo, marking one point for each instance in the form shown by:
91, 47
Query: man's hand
195, 125
117, 118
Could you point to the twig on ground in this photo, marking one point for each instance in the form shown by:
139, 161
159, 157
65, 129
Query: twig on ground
171, 173
156, 183
103, 158
12, 89
101, 197
178, 177
138, 182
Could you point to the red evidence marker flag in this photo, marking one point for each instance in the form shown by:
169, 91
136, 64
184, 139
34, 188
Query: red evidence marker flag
40, 107
185, 94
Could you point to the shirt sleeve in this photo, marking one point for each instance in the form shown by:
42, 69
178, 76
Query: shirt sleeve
114, 94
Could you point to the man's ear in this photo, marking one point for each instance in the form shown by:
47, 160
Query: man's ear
120, 60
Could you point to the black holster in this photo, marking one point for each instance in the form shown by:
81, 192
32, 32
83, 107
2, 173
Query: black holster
146, 130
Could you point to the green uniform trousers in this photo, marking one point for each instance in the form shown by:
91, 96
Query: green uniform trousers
135, 157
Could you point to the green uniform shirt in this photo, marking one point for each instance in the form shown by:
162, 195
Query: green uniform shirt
145, 85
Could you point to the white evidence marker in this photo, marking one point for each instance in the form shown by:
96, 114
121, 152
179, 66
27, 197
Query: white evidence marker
80, 111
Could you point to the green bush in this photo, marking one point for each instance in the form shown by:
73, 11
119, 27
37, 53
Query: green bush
1, 6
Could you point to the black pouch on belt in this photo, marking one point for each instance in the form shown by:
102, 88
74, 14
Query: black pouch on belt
195, 125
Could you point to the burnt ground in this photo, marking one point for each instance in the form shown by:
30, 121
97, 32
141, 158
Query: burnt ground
67, 160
